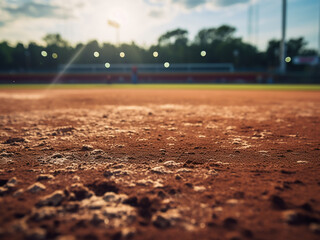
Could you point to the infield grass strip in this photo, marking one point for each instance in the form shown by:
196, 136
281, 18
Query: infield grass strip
283, 87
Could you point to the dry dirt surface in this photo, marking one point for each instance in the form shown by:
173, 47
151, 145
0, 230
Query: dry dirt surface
159, 164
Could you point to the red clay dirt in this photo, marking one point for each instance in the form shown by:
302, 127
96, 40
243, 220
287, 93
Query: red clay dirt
159, 164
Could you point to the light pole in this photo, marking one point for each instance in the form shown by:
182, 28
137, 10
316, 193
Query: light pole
282, 68
117, 27
250, 23
319, 32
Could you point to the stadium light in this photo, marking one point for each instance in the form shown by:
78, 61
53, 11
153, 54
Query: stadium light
54, 55
107, 65
96, 54
116, 26
44, 54
122, 54
166, 64
155, 54
203, 53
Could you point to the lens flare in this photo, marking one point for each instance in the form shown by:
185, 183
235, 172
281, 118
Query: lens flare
44, 54
96, 54
166, 64
122, 54
107, 65
203, 53
54, 55
288, 59
66, 67
155, 54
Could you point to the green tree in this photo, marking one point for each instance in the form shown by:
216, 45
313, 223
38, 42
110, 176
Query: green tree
6, 58
295, 47
205, 36
19, 56
220, 45
209, 35
224, 32
55, 39
177, 36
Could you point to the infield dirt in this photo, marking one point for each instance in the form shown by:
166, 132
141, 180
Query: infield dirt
159, 164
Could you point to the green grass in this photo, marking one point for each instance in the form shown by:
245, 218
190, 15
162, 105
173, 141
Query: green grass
284, 87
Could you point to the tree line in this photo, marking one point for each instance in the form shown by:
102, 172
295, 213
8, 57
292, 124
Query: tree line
218, 45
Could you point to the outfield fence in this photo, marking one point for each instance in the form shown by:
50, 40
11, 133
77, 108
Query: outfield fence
155, 73
148, 68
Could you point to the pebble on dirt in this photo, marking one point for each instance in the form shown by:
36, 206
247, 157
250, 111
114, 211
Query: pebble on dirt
87, 148
293, 217
43, 213
315, 227
113, 197
14, 140
230, 223
12, 182
18, 193
277, 202
171, 164
36, 234
79, 191
161, 222
43, 177
160, 170
3, 191
36, 187
53, 199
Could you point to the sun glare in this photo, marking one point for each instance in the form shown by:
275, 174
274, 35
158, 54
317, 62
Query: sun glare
126, 16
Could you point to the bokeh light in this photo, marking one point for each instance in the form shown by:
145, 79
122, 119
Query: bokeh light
122, 54
54, 55
288, 59
203, 53
166, 64
155, 54
44, 53
107, 65
96, 54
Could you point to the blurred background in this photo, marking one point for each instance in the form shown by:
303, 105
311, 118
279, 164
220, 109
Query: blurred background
153, 41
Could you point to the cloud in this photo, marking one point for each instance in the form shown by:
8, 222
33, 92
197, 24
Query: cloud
31, 9
156, 13
12, 11
226, 3
159, 7
190, 4
35, 10
80, 20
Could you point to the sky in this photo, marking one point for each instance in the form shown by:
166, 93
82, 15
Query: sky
143, 21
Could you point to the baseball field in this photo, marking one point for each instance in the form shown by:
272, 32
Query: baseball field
159, 162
